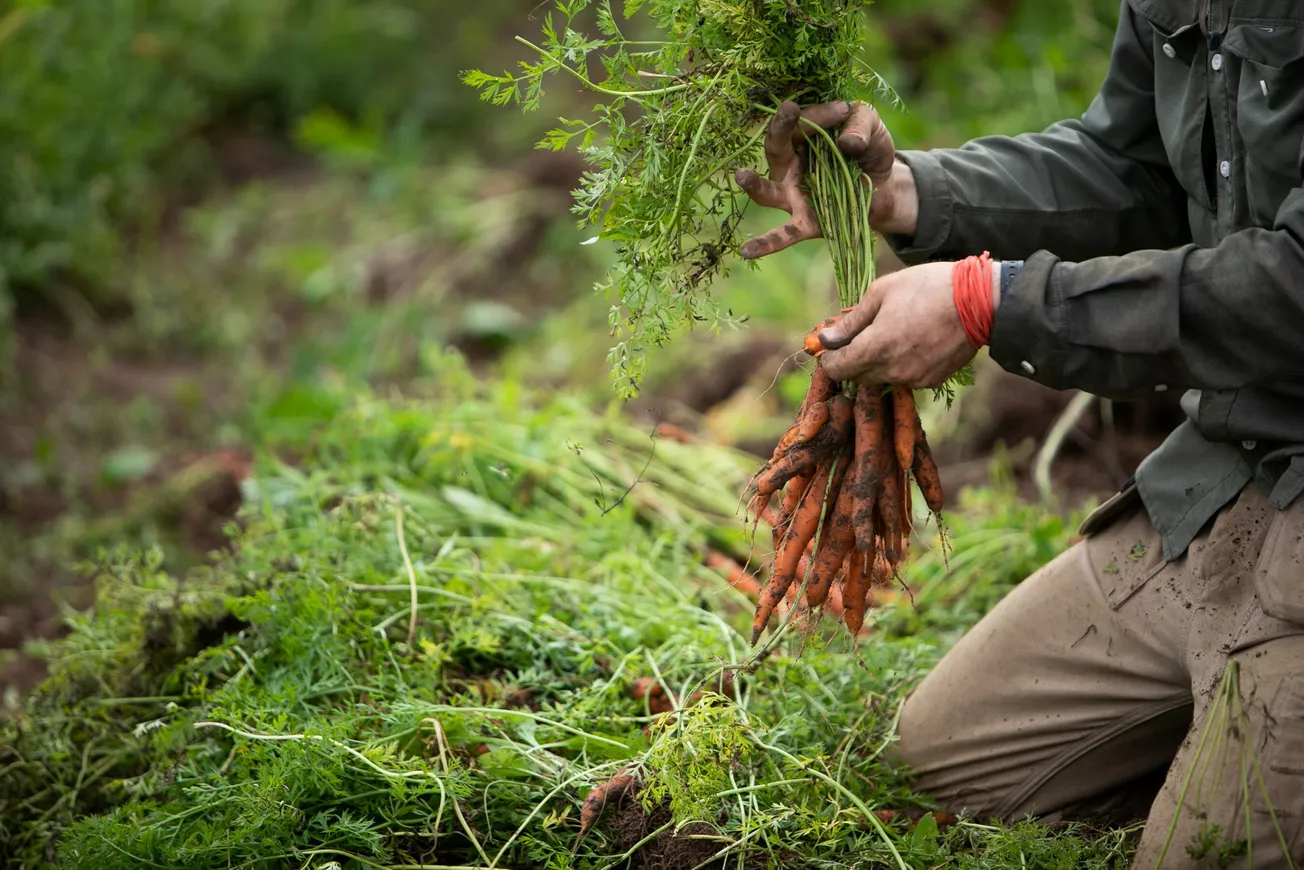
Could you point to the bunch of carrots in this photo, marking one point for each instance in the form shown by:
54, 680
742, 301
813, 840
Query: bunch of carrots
842, 476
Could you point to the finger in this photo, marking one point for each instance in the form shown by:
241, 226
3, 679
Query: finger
779, 153
779, 238
826, 115
854, 321
861, 360
762, 191
866, 138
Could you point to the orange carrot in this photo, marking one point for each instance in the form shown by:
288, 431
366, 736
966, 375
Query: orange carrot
813, 422
867, 465
926, 474
881, 578
805, 522
905, 415
822, 387
907, 506
658, 701
854, 590
736, 575
611, 790
889, 495
806, 428
792, 495
793, 492
889, 517
833, 604
804, 457
671, 432
836, 540
812, 344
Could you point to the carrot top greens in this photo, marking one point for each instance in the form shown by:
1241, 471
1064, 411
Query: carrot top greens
684, 88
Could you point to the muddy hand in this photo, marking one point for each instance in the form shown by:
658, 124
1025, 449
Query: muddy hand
864, 138
904, 331
784, 139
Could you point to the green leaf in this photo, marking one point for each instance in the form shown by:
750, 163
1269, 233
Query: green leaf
925, 833
128, 464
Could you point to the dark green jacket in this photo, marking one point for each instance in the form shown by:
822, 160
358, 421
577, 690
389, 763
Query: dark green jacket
1164, 239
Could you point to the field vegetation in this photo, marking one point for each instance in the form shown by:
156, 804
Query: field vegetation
324, 539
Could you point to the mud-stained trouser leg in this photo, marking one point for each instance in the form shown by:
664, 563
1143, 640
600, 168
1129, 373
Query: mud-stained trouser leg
1106, 665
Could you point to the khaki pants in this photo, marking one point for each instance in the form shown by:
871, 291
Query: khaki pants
1108, 668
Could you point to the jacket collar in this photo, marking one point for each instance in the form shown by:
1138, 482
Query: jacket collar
1169, 16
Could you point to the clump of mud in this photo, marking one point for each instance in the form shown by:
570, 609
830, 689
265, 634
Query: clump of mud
684, 849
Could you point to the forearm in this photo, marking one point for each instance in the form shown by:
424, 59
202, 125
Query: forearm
1222, 318
1061, 190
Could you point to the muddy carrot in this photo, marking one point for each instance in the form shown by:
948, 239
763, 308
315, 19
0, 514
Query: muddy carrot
658, 701
854, 591
792, 494
805, 523
889, 517
881, 576
821, 389
905, 417
779, 473
804, 457
812, 343
926, 474
611, 790
811, 422
907, 506
833, 604
837, 539
866, 465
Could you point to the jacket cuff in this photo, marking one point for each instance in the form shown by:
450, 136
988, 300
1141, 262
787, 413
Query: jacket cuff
936, 204
1031, 323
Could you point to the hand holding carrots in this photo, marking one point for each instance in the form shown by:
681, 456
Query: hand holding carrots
905, 330
844, 471
863, 138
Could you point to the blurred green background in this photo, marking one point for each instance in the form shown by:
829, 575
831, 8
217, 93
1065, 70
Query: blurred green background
220, 220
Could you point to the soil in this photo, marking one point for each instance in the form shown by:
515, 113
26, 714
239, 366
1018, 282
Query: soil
689, 847
192, 493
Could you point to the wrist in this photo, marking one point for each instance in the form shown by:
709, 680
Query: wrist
1003, 272
975, 289
904, 198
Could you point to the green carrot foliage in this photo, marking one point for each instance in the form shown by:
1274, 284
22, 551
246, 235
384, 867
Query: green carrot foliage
281, 708
684, 88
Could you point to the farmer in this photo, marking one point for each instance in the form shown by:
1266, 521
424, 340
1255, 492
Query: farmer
1156, 244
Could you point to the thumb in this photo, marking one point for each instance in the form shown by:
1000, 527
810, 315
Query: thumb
841, 333
850, 363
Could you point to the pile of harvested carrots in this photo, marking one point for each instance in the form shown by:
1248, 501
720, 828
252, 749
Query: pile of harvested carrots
842, 475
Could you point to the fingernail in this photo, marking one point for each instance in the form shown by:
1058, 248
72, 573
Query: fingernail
831, 338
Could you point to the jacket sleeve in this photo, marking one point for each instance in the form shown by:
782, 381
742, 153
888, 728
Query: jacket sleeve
1224, 318
1085, 188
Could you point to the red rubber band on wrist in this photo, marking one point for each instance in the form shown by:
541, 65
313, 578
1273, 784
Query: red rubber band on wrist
971, 286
